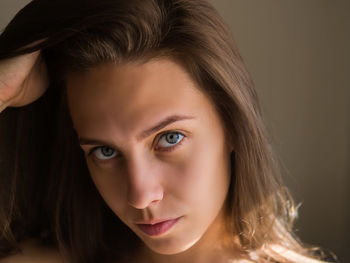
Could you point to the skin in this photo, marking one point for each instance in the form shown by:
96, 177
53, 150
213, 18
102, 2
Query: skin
136, 174
23, 79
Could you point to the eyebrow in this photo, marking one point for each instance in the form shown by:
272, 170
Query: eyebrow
144, 134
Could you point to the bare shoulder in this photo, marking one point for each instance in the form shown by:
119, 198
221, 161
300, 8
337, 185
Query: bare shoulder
34, 253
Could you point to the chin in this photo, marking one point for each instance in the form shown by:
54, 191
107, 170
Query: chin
169, 246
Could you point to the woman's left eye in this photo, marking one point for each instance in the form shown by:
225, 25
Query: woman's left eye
170, 140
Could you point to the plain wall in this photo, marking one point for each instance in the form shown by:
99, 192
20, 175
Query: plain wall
298, 54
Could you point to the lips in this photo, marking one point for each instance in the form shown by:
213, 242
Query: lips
158, 228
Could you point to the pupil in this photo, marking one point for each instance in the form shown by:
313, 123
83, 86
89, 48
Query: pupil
172, 138
107, 151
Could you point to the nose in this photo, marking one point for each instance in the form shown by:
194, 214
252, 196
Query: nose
143, 184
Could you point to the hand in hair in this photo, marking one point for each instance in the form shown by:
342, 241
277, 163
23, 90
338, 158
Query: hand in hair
23, 79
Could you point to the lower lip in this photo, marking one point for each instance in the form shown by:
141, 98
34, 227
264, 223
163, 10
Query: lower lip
159, 228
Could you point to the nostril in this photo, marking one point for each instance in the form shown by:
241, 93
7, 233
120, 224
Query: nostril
158, 197
155, 202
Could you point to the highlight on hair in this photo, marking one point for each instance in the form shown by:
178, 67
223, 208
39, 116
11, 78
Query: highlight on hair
45, 188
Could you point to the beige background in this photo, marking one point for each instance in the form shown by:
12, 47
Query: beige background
298, 54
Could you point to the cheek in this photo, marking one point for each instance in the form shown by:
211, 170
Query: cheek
109, 185
202, 176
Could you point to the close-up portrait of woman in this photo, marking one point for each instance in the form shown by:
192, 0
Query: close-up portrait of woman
131, 131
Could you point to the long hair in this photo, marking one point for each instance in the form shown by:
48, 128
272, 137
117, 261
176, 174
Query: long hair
46, 192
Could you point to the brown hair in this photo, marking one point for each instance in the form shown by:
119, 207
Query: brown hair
46, 191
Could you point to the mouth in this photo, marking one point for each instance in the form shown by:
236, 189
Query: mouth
157, 228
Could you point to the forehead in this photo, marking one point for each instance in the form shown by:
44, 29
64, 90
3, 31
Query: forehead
129, 96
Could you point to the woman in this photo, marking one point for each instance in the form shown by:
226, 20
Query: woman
148, 145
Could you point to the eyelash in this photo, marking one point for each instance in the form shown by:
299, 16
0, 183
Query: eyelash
165, 149
171, 148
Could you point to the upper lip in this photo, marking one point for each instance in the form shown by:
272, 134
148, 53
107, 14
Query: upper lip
154, 221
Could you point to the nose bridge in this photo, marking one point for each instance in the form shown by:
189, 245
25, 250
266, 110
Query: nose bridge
143, 187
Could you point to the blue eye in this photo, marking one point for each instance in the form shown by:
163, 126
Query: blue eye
167, 142
170, 140
104, 153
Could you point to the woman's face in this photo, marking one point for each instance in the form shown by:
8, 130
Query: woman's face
155, 149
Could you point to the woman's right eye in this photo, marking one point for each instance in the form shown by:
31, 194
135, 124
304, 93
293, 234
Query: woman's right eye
103, 153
